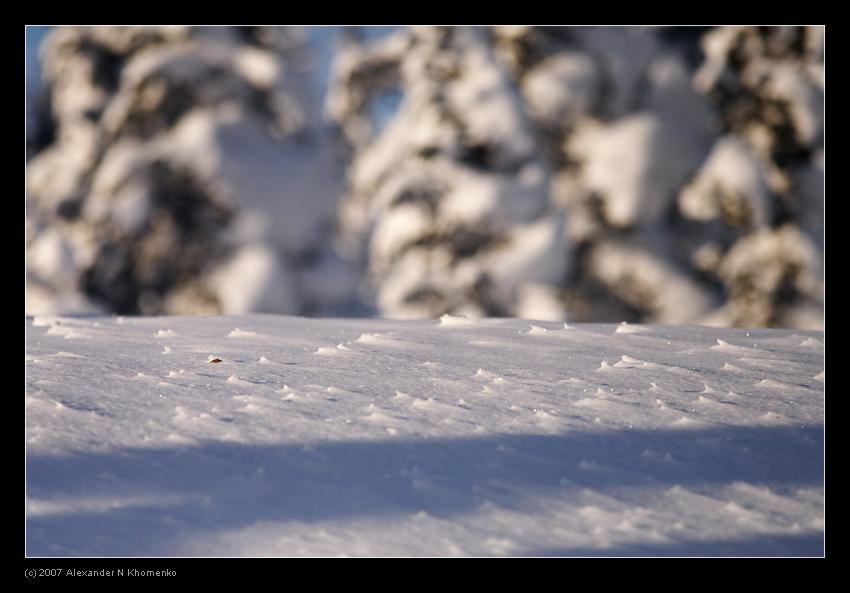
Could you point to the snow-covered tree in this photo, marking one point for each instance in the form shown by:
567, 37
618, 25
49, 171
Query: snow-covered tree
596, 173
186, 171
664, 174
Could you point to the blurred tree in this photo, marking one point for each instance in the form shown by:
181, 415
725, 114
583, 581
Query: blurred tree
597, 173
664, 174
188, 172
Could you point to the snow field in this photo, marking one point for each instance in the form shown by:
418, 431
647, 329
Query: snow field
447, 437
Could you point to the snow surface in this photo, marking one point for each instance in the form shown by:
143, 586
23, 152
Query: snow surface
446, 437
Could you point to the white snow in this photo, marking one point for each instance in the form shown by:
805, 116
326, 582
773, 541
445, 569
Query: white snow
562, 88
731, 184
449, 437
254, 280
634, 274
650, 160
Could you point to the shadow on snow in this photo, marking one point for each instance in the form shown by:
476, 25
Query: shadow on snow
804, 544
228, 486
